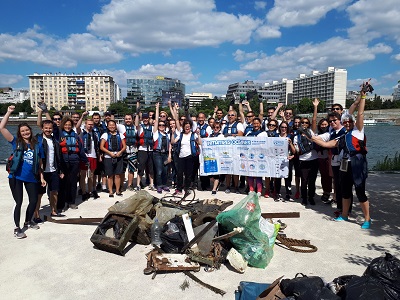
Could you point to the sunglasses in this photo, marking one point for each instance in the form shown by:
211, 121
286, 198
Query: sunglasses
335, 108
56, 119
249, 116
333, 120
347, 122
182, 119
271, 125
161, 124
283, 127
232, 115
162, 116
305, 122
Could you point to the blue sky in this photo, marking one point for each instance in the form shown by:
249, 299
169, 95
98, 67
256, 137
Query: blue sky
206, 44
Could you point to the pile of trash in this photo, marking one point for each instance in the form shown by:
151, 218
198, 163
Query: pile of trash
189, 233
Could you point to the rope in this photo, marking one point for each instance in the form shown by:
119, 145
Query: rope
293, 244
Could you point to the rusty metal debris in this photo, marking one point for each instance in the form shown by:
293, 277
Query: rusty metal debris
210, 287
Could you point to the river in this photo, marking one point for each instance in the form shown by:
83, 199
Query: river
381, 141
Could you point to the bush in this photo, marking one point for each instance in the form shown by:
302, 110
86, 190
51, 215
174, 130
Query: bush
388, 164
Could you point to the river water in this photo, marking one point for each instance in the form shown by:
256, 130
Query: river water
381, 141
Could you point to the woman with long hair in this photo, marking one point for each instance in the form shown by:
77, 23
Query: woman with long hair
73, 154
25, 169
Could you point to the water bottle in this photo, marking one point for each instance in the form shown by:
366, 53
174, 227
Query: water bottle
156, 233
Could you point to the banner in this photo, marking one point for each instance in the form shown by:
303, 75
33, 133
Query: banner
248, 156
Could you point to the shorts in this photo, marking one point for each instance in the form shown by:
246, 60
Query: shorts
347, 182
145, 162
92, 162
53, 182
130, 162
100, 168
113, 166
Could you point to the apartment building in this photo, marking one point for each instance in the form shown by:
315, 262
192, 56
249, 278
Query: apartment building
198, 98
76, 91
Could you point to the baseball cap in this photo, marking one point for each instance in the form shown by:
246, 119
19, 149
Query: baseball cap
145, 116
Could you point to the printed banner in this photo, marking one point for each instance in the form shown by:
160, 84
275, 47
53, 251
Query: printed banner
248, 156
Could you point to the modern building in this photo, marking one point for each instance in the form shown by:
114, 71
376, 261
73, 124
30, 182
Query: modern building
77, 91
198, 98
396, 93
8, 95
235, 89
151, 90
329, 86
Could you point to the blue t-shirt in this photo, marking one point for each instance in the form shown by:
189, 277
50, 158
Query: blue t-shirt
25, 171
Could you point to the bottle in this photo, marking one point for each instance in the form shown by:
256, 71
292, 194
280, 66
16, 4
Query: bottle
156, 233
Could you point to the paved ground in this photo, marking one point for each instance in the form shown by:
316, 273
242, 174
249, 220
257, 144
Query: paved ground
60, 262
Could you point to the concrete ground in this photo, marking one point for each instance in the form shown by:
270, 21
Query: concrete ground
59, 261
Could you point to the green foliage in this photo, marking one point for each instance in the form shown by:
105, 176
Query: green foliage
305, 106
19, 107
388, 164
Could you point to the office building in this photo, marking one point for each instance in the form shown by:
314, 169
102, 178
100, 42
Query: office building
235, 89
75, 91
396, 93
198, 98
151, 90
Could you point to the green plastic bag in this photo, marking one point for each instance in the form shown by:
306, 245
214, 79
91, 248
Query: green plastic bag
251, 243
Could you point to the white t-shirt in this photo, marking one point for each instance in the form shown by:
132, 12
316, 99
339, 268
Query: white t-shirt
239, 127
104, 136
185, 144
49, 156
306, 156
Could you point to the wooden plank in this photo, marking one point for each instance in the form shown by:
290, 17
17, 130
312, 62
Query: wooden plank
279, 215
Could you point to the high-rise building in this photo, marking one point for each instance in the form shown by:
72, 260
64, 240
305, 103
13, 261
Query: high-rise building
396, 93
235, 89
151, 90
278, 91
77, 91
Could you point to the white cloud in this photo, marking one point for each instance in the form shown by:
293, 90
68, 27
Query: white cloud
372, 20
7, 80
231, 76
288, 13
260, 5
267, 32
240, 55
337, 52
397, 56
172, 24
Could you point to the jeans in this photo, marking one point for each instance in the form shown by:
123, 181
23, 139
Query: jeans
184, 168
160, 168
309, 172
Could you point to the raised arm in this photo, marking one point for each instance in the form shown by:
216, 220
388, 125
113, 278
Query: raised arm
155, 125
4, 131
360, 113
79, 124
278, 107
314, 117
241, 112
261, 114
215, 112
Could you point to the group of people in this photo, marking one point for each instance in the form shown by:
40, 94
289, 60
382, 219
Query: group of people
163, 151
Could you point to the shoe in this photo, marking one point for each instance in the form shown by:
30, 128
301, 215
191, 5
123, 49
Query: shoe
304, 203
213, 192
119, 194
57, 215
177, 192
131, 188
325, 199
94, 195
159, 190
341, 218
137, 188
337, 213
187, 193
85, 197
237, 191
152, 188
98, 187
287, 196
276, 199
266, 195
73, 206
37, 220
80, 192
297, 195
366, 224
166, 189
105, 191
110, 195
31, 225
19, 234
227, 191
258, 194
312, 202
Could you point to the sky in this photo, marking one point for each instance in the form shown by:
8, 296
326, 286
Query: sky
204, 43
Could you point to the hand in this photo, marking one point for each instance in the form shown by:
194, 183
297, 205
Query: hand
281, 113
85, 113
280, 104
216, 108
157, 104
11, 108
61, 175
197, 131
43, 182
315, 102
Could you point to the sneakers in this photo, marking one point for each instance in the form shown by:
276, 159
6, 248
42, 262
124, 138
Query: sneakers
119, 194
366, 224
304, 202
98, 187
297, 195
105, 191
213, 192
311, 200
73, 206
166, 189
37, 220
325, 199
151, 187
94, 195
341, 218
227, 191
177, 192
131, 188
137, 188
19, 234
159, 190
85, 197
258, 194
237, 191
266, 195
31, 225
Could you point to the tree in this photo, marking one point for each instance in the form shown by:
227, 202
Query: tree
305, 106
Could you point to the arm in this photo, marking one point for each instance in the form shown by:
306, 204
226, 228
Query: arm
39, 118
314, 118
241, 112
79, 124
4, 131
278, 107
215, 112
261, 114
355, 104
122, 151
319, 141
155, 125
103, 148
360, 113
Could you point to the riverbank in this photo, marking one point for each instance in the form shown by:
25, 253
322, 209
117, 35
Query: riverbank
59, 261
